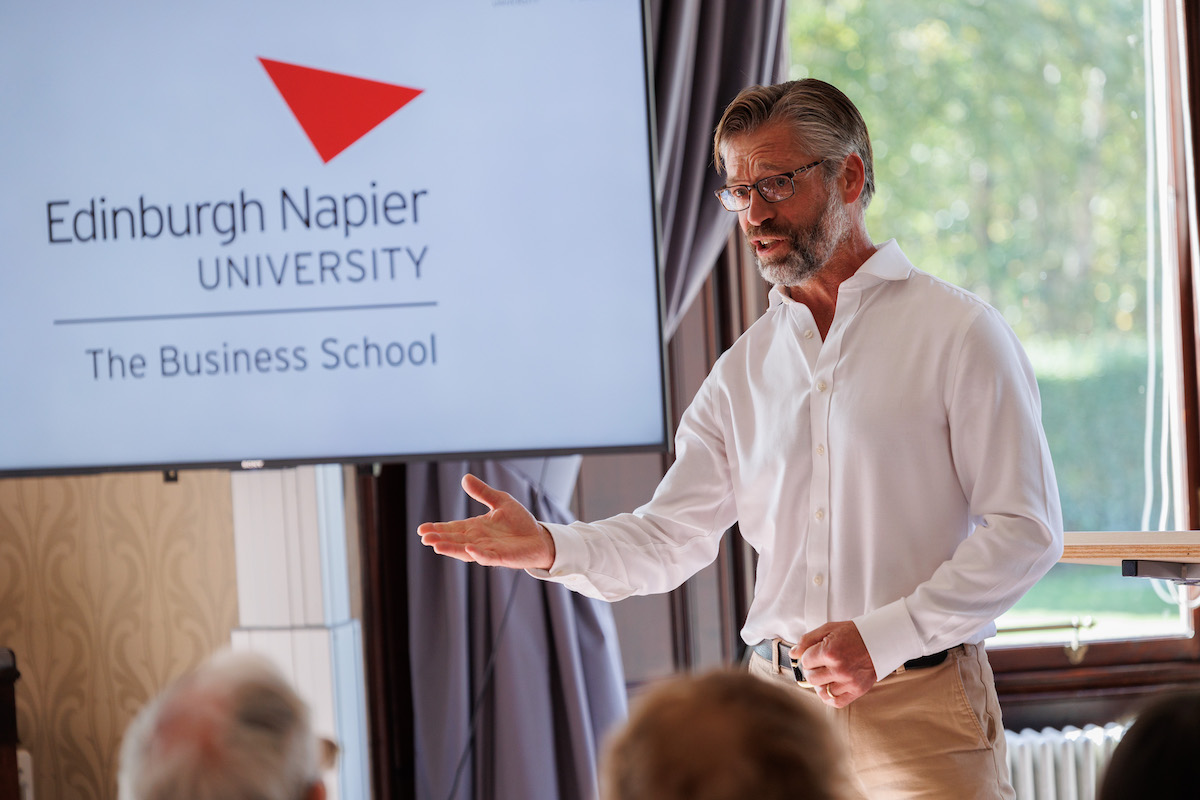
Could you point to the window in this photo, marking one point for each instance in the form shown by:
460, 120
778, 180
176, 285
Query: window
1021, 150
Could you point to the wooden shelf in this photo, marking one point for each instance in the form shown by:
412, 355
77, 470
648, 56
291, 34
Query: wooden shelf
1110, 548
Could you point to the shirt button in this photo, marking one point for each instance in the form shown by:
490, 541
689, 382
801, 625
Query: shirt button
808, 334
820, 386
820, 449
818, 579
820, 513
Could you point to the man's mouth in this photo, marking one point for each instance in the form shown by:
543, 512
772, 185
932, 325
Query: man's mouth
764, 244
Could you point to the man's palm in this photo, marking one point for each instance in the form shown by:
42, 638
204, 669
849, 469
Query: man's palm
506, 536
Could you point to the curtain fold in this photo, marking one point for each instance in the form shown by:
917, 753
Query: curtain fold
516, 681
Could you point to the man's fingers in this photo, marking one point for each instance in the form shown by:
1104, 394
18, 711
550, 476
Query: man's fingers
450, 549
812, 654
452, 528
464, 549
451, 538
819, 676
809, 640
837, 696
454, 532
485, 556
480, 491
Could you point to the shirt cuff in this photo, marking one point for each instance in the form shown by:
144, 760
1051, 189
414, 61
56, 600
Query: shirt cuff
569, 552
890, 636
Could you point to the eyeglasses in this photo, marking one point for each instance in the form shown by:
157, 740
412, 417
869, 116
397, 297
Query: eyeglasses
772, 189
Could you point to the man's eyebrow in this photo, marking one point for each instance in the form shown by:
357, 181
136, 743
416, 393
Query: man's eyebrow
769, 169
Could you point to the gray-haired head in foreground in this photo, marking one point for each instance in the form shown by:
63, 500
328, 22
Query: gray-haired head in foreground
232, 730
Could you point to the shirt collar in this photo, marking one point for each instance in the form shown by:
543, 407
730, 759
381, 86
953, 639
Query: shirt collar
887, 264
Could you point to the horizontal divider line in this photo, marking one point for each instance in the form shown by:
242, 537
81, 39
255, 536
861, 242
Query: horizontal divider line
246, 313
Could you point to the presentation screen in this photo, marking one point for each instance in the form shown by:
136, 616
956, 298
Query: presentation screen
266, 233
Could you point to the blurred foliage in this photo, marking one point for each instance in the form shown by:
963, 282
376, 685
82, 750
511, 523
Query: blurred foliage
1095, 421
1010, 149
1010, 145
1083, 589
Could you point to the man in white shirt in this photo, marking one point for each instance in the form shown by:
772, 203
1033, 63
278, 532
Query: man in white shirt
876, 435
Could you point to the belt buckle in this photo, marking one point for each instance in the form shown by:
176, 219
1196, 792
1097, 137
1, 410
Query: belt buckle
797, 673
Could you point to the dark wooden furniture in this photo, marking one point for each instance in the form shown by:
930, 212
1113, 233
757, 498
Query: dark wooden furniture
10, 788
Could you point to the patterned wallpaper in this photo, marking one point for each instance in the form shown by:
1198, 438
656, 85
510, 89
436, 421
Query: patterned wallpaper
110, 586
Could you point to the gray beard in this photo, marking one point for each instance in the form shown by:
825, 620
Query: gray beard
800, 264
809, 249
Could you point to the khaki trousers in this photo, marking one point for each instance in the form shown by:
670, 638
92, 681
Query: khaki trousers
925, 733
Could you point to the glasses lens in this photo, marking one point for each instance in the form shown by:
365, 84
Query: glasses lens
735, 198
776, 188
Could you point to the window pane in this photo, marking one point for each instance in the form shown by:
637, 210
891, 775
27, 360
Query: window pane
1012, 157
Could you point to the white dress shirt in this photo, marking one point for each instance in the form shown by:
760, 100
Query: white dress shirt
895, 474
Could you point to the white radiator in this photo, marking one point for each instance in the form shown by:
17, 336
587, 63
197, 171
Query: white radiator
1066, 764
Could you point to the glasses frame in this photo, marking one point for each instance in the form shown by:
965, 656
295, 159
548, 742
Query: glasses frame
757, 186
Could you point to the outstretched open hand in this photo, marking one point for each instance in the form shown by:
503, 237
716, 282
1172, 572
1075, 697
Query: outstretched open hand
506, 536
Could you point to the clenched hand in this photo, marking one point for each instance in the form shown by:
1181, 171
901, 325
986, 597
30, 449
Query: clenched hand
835, 660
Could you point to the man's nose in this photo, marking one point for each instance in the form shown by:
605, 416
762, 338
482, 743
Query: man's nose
759, 209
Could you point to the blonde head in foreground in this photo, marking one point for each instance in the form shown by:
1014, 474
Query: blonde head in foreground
721, 736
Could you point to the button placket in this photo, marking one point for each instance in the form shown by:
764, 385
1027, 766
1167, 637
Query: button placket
817, 555
819, 552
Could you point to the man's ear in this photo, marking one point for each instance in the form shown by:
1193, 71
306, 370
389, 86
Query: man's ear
317, 792
853, 178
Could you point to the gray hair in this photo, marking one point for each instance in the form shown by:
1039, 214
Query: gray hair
821, 117
232, 730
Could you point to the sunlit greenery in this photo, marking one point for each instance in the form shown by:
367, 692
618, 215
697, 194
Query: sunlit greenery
1010, 146
1011, 158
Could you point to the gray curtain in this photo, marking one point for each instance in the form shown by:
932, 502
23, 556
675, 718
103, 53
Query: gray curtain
516, 681
705, 52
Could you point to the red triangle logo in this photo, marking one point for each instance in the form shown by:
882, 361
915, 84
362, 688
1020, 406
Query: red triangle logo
335, 110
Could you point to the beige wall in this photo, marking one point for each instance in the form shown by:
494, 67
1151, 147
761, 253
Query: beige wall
110, 586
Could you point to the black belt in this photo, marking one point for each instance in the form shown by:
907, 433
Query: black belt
763, 648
